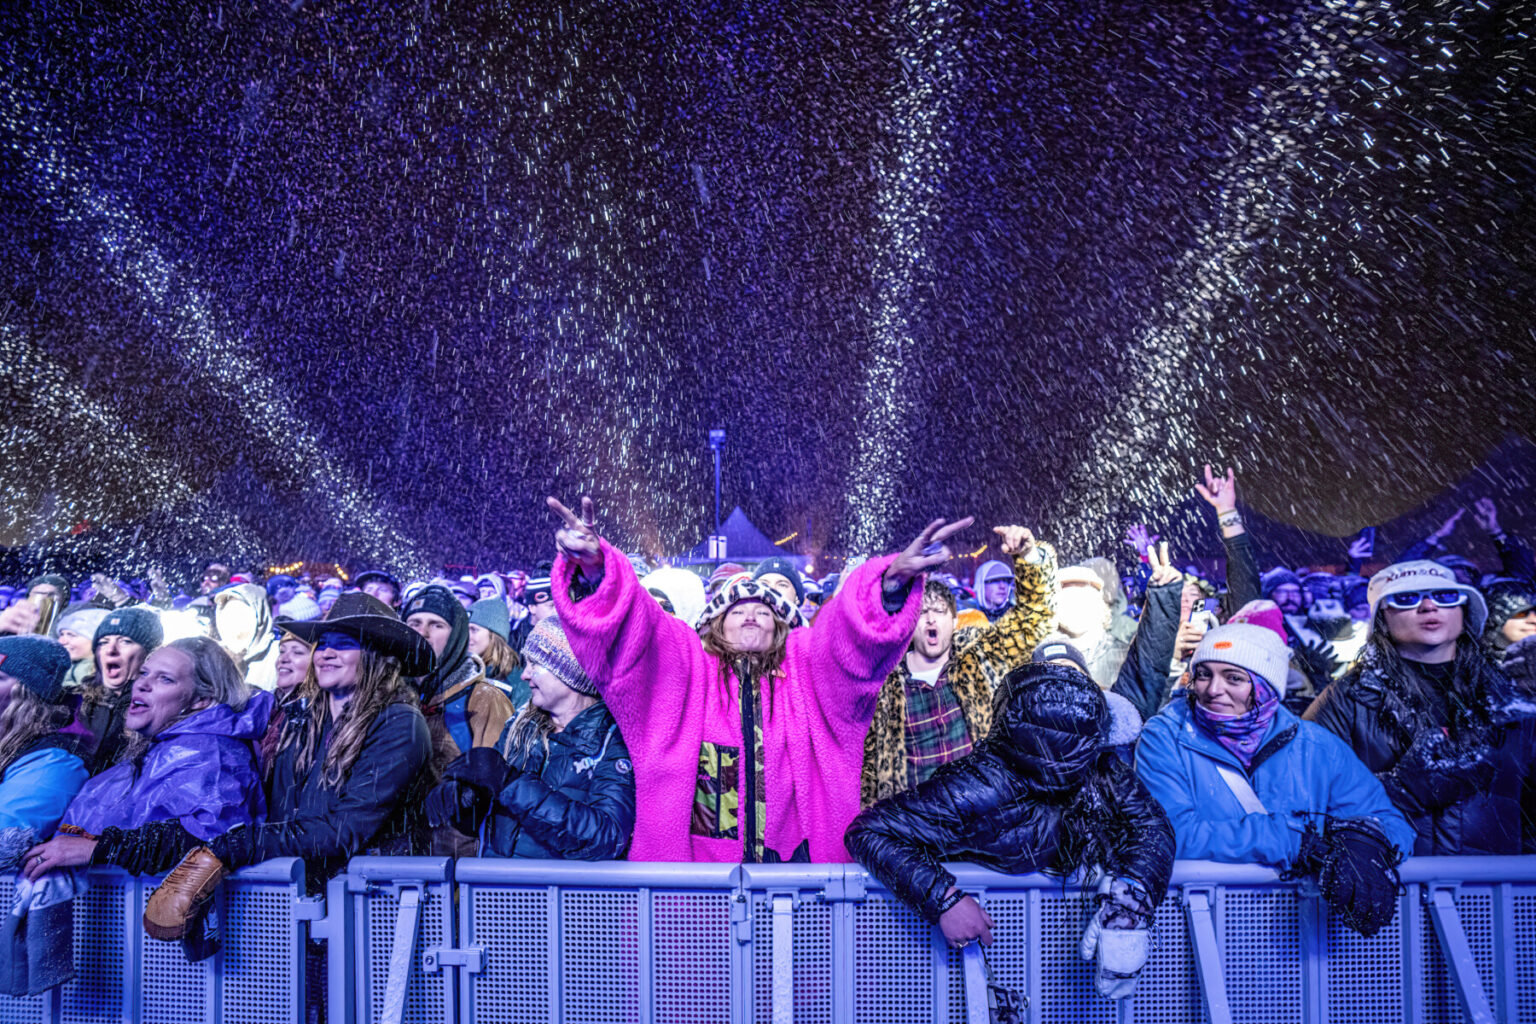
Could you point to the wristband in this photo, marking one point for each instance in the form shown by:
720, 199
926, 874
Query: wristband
1228, 519
951, 901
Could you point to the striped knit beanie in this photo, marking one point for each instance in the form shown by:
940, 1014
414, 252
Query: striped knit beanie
547, 645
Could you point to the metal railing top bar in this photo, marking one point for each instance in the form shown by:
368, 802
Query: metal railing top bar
600, 874
401, 869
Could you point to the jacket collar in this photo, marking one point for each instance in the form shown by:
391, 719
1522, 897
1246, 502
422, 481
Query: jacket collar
1281, 731
586, 732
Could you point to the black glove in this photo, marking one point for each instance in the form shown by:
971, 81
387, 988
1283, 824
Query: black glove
237, 847
147, 850
469, 787
1356, 871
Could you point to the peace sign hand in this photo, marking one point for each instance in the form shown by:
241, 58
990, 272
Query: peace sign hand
927, 551
577, 539
1161, 565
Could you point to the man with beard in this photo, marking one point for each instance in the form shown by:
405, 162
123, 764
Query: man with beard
937, 703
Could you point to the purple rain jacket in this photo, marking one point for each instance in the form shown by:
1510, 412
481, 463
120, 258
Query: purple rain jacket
200, 771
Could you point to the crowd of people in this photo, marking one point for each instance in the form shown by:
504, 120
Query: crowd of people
1069, 719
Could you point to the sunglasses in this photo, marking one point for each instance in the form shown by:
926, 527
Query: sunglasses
1411, 599
539, 597
337, 642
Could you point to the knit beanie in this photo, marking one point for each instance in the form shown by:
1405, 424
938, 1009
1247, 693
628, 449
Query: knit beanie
1257, 649
746, 589
1261, 613
140, 625
723, 572
300, 608
37, 663
1053, 648
547, 645
1277, 578
58, 582
779, 566
492, 614
81, 618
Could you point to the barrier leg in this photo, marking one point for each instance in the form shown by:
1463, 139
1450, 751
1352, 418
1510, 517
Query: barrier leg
977, 1006
783, 958
1202, 929
1458, 954
400, 954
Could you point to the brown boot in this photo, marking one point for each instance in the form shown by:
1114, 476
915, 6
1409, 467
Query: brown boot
174, 906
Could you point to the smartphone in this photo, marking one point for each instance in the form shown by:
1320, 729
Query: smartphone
1368, 534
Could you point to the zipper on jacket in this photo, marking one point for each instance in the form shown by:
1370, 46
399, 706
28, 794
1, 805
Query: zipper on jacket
746, 811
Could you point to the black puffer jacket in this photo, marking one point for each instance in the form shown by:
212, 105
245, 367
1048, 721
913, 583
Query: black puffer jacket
1462, 784
1038, 795
577, 801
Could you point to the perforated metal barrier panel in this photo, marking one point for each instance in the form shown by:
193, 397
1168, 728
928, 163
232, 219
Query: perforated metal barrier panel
430, 941
123, 975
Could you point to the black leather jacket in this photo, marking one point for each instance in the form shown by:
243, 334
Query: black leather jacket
1029, 798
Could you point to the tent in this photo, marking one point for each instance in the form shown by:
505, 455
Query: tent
744, 542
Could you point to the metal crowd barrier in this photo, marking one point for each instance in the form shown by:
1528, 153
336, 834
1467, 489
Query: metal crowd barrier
431, 941
122, 974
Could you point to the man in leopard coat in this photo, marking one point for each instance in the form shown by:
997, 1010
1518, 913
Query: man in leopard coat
938, 702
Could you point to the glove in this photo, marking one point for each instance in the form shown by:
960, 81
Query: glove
470, 784
1120, 946
237, 847
1358, 876
181, 899
481, 767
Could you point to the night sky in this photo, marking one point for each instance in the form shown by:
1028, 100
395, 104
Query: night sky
367, 281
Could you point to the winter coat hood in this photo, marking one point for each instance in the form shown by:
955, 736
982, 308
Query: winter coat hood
993, 570
1052, 727
255, 598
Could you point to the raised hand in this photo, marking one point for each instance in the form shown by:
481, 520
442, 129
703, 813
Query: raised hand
1017, 540
927, 551
1219, 492
1447, 526
1486, 513
1140, 538
1162, 566
577, 538
1362, 548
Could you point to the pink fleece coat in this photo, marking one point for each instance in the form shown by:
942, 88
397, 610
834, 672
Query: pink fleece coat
666, 695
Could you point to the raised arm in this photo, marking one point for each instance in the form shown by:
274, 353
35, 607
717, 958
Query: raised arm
1012, 638
622, 638
862, 632
1220, 492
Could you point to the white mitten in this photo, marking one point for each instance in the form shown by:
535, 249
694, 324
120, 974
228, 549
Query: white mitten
1121, 951
1122, 955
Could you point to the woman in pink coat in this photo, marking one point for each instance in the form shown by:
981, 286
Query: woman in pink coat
676, 693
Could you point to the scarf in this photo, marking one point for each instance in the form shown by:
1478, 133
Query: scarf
1244, 733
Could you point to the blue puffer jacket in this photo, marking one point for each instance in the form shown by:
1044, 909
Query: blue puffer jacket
1301, 770
201, 771
34, 790
577, 802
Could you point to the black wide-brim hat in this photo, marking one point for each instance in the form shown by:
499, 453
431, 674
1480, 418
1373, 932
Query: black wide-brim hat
374, 625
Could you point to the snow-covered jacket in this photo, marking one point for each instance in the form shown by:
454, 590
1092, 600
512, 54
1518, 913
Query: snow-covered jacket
1301, 770
577, 801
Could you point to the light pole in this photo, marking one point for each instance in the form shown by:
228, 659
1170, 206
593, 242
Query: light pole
716, 442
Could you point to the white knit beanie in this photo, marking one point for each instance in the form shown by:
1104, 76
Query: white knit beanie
1258, 650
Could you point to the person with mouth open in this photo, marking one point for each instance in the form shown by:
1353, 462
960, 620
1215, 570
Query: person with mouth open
747, 735
189, 766
1435, 719
121, 643
938, 702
